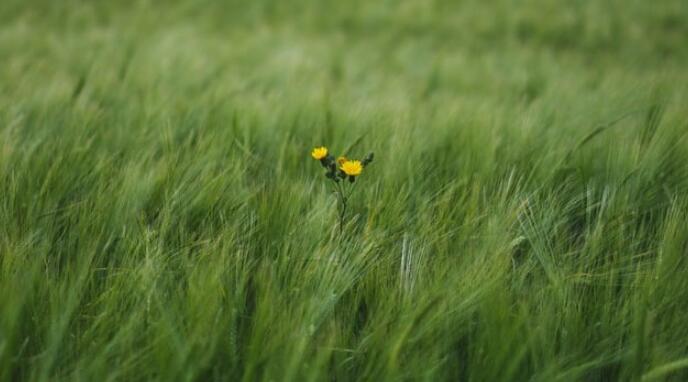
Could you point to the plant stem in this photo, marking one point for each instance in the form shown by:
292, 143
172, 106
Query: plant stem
341, 206
342, 213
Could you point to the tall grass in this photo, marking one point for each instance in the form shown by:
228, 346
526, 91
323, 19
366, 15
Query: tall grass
525, 217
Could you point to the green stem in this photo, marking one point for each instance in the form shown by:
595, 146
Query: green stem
342, 207
343, 199
342, 214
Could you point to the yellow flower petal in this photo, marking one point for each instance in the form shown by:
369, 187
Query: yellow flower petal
352, 167
319, 152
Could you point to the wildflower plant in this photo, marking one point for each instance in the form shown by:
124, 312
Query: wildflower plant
343, 172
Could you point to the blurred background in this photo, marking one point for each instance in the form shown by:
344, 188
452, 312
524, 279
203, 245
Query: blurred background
387, 55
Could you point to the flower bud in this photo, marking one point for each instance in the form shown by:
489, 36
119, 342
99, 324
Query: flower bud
368, 159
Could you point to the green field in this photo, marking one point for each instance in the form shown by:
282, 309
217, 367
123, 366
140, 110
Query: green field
525, 218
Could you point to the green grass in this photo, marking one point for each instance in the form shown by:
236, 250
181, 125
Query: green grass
525, 217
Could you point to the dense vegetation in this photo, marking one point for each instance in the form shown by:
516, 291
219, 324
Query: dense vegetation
524, 219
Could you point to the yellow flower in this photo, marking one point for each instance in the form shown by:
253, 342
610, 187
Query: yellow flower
319, 152
341, 160
352, 167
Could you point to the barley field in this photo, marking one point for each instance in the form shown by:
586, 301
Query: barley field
524, 217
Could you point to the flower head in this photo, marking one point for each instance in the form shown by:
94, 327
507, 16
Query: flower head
351, 167
319, 152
